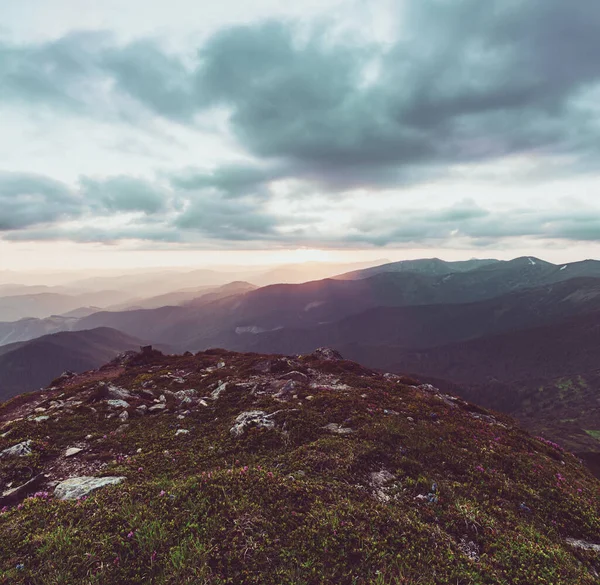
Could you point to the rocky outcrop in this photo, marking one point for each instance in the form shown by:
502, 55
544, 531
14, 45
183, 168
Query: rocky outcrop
77, 487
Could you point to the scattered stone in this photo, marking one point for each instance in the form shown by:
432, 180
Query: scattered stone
124, 415
18, 493
380, 483
141, 409
147, 394
252, 418
287, 389
410, 419
20, 450
263, 367
327, 354
180, 416
582, 544
162, 398
202, 402
117, 403
338, 429
183, 394
218, 390
118, 393
42, 418
295, 375
310, 397
181, 432
77, 487
161, 407
469, 549
71, 451
88, 437
39, 409
220, 365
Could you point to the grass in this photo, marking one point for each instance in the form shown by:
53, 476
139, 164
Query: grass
296, 504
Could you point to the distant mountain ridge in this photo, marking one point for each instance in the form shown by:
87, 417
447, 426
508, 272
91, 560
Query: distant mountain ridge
33, 364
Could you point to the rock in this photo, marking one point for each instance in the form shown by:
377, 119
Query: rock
39, 409
327, 354
410, 419
338, 429
77, 487
161, 407
42, 418
218, 390
202, 402
181, 432
118, 393
263, 367
162, 398
20, 450
252, 418
295, 375
187, 401
287, 389
183, 394
582, 544
117, 403
124, 415
18, 493
141, 409
147, 394
71, 451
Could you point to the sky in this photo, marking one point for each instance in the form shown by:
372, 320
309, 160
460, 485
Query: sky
138, 133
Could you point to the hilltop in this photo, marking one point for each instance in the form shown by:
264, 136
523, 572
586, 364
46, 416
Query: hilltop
223, 467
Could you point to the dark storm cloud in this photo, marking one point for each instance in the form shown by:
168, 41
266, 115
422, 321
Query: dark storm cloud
468, 81
28, 200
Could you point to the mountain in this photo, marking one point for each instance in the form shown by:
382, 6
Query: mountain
262, 469
424, 326
40, 305
32, 364
530, 266
26, 329
430, 266
312, 304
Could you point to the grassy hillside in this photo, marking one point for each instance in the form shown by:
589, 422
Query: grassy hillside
246, 468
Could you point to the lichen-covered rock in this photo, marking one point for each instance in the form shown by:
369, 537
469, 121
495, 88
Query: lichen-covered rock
19, 450
218, 390
77, 487
252, 418
327, 354
117, 403
118, 393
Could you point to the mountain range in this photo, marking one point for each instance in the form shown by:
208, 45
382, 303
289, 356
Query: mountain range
492, 331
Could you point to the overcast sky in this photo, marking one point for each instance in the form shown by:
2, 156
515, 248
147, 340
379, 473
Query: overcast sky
133, 131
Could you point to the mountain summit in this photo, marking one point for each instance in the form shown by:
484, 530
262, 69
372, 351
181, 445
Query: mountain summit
223, 468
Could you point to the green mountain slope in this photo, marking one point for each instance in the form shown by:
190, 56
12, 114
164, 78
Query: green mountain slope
259, 469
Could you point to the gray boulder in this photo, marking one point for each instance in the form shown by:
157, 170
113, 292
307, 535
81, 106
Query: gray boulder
19, 450
252, 418
77, 487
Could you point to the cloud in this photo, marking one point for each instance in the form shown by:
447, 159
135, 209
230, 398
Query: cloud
28, 200
465, 83
124, 194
